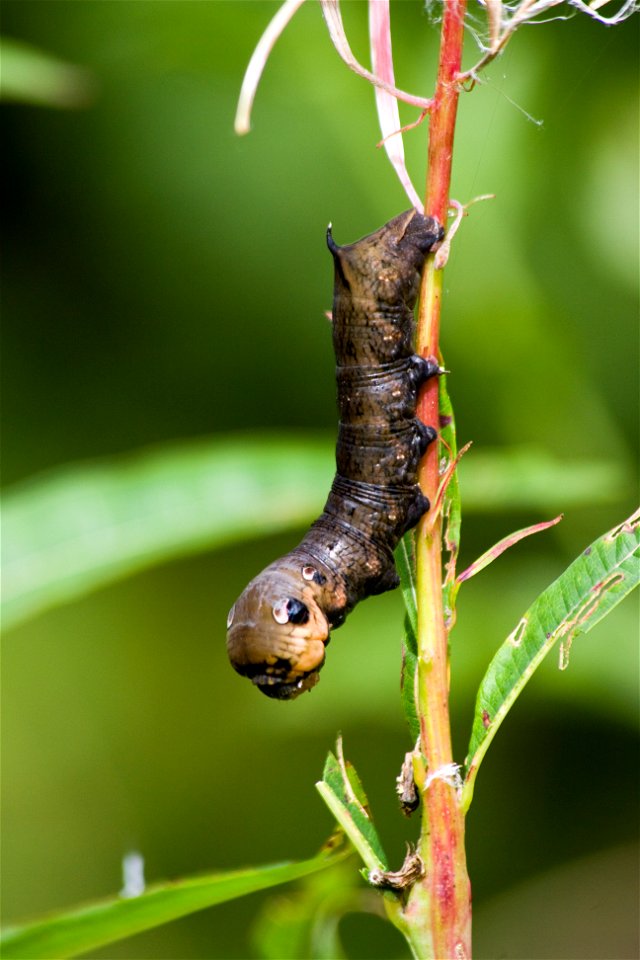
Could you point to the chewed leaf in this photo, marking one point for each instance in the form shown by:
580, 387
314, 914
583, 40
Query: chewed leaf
588, 590
494, 552
342, 791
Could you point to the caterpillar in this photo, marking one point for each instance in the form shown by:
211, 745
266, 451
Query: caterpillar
279, 627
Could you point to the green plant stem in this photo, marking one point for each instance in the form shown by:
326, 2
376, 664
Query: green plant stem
438, 911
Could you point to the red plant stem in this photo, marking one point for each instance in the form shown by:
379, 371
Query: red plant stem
439, 906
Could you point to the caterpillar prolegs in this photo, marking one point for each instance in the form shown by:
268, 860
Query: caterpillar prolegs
279, 626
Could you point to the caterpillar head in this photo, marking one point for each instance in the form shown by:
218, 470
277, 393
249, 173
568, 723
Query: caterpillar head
277, 632
386, 265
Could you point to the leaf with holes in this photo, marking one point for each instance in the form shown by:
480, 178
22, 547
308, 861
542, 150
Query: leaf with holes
586, 592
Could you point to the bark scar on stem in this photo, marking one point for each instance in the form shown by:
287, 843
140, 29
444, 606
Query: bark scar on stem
448, 773
409, 873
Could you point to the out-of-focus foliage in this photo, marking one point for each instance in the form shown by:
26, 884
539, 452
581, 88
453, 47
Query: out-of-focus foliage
107, 921
165, 280
81, 527
304, 922
31, 76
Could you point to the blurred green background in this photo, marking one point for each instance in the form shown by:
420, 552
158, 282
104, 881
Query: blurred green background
164, 280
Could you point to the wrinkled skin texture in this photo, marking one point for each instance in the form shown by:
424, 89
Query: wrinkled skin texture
279, 627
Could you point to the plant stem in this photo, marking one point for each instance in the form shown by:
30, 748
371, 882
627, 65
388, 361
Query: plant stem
438, 911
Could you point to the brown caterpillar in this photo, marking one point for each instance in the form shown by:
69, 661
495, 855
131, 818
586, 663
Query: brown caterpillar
279, 626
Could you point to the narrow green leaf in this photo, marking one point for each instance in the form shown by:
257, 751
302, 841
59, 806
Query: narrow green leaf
588, 590
406, 567
405, 563
451, 508
107, 921
341, 790
408, 679
451, 503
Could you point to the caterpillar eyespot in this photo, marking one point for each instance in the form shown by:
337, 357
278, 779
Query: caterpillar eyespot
290, 610
298, 611
279, 611
279, 626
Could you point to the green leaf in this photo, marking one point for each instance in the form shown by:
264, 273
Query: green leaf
451, 508
85, 526
405, 562
406, 567
408, 679
586, 592
31, 76
82, 527
342, 791
107, 921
